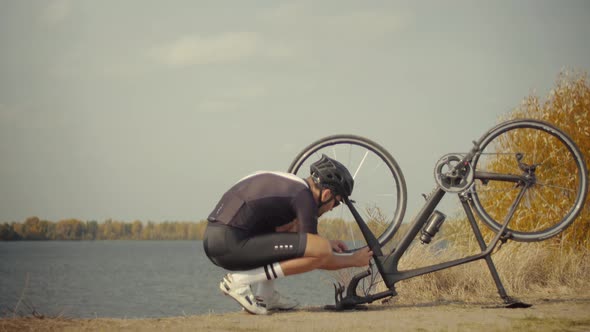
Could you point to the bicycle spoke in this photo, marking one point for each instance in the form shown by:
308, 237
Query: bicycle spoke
360, 165
334, 155
537, 133
556, 187
549, 205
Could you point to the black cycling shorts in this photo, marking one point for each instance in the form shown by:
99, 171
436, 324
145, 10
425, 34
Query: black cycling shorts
234, 249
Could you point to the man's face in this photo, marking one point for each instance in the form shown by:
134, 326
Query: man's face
331, 201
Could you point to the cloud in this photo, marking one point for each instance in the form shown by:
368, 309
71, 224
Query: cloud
194, 50
288, 12
233, 99
217, 106
223, 48
307, 20
57, 11
250, 91
369, 22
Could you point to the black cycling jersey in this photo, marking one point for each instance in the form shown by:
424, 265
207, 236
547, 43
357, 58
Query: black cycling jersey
262, 201
241, 233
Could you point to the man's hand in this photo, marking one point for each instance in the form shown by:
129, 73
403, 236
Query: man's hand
338, 246
362, 257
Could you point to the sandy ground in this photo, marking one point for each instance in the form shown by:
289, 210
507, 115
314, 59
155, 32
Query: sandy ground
572, 314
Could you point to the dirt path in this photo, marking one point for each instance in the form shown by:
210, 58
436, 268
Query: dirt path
544, 315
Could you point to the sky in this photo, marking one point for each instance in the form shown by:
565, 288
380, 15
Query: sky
150, 110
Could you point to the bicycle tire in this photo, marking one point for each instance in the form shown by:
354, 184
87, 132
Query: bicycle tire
386, 214
555, 173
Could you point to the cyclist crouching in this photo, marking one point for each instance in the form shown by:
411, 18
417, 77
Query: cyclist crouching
265, 227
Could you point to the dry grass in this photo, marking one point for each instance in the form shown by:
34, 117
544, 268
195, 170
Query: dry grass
524, 268
539, 269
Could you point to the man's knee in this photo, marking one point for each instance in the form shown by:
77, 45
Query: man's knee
317, 246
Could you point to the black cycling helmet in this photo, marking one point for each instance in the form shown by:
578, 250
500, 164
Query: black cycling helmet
331, 174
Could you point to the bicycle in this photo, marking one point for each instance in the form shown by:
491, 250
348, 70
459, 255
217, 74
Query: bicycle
509, 179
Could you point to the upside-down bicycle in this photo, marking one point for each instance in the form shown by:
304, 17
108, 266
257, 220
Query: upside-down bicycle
525, 179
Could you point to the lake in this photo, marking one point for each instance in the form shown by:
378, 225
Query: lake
127, 279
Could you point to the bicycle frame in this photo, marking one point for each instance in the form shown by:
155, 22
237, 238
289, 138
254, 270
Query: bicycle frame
387, 265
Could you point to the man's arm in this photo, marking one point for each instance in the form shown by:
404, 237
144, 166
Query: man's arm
359, 258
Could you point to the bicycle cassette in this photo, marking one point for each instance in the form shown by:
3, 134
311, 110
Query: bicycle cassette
452, 175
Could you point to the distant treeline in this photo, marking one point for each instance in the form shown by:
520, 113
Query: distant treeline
35, 229
73, 229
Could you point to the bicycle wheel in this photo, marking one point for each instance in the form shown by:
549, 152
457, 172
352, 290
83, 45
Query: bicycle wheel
379, 193
538, 158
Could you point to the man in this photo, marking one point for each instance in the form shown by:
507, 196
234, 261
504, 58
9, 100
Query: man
265, 227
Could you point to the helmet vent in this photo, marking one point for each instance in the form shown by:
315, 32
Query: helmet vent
332, 175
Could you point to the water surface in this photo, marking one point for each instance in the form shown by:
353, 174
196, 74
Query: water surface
127, 279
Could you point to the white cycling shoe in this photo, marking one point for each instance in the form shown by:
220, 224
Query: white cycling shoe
278, 302
243, 295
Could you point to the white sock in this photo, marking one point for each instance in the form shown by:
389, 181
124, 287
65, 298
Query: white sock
264, 289
267, 272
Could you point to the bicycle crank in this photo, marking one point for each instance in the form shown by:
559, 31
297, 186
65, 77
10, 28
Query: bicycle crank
452, 174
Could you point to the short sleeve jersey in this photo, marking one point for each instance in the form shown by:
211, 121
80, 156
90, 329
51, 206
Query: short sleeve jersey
262, 201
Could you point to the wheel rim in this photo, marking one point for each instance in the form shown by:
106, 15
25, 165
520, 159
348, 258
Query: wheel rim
379, 193
552, 171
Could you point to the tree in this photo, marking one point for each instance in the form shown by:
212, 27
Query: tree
7, 233
69, 229
136, 229
568, 108
91, 230
32, 229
